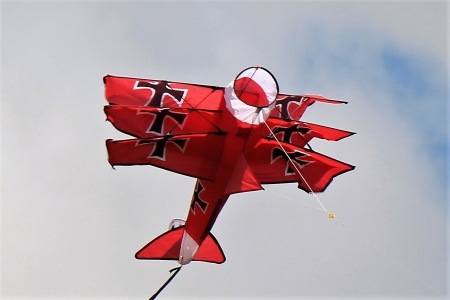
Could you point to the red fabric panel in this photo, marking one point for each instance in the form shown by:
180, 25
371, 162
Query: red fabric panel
158, 93
206, 203
249, 92
292, 107
167, 247
300, 133
195, 155
242, 179
144, 122
328, 133
270, 165
210, 251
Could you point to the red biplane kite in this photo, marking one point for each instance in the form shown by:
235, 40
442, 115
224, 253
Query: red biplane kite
232, 139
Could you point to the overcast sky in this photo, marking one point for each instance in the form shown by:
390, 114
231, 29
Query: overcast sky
70, 225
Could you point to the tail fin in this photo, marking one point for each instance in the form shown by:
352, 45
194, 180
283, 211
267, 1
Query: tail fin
167, 247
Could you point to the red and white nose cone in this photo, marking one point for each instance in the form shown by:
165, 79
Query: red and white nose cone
256, 87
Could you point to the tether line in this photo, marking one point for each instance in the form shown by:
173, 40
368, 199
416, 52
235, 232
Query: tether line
331, 215
177, 269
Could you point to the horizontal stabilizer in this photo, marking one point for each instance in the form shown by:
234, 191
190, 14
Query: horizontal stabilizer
167, 247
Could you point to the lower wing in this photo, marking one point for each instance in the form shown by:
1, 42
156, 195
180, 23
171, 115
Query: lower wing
271, 163
195, 155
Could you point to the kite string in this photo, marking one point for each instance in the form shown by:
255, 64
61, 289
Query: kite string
298, 171
309, 205
411, 273
177, 269
284, 196
407, 270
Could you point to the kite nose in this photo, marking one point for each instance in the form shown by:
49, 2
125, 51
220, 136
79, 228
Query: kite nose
256, 86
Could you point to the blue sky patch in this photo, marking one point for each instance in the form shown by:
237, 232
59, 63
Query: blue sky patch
406, 73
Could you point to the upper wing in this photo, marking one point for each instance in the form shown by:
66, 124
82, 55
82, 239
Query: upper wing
160, 93
292, 107
130, 91
300, 133
195, 155
270, 164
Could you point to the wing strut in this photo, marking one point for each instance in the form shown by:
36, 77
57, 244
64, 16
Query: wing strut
177, 269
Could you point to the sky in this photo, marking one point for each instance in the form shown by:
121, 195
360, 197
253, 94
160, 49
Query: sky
70, 224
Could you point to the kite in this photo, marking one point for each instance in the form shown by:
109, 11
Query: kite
232, 139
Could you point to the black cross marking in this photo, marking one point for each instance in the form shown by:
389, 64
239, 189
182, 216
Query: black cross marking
294, 156
159, 151
159, 90
287, 132
160, 116
284, 103
196, 198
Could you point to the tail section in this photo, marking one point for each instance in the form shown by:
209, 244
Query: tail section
168, 246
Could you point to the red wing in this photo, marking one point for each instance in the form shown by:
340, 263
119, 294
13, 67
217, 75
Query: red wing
270, 164
195, 155
300, 133
145, 122
292, 107
160, 93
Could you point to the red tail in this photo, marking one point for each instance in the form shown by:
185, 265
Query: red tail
167, 247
